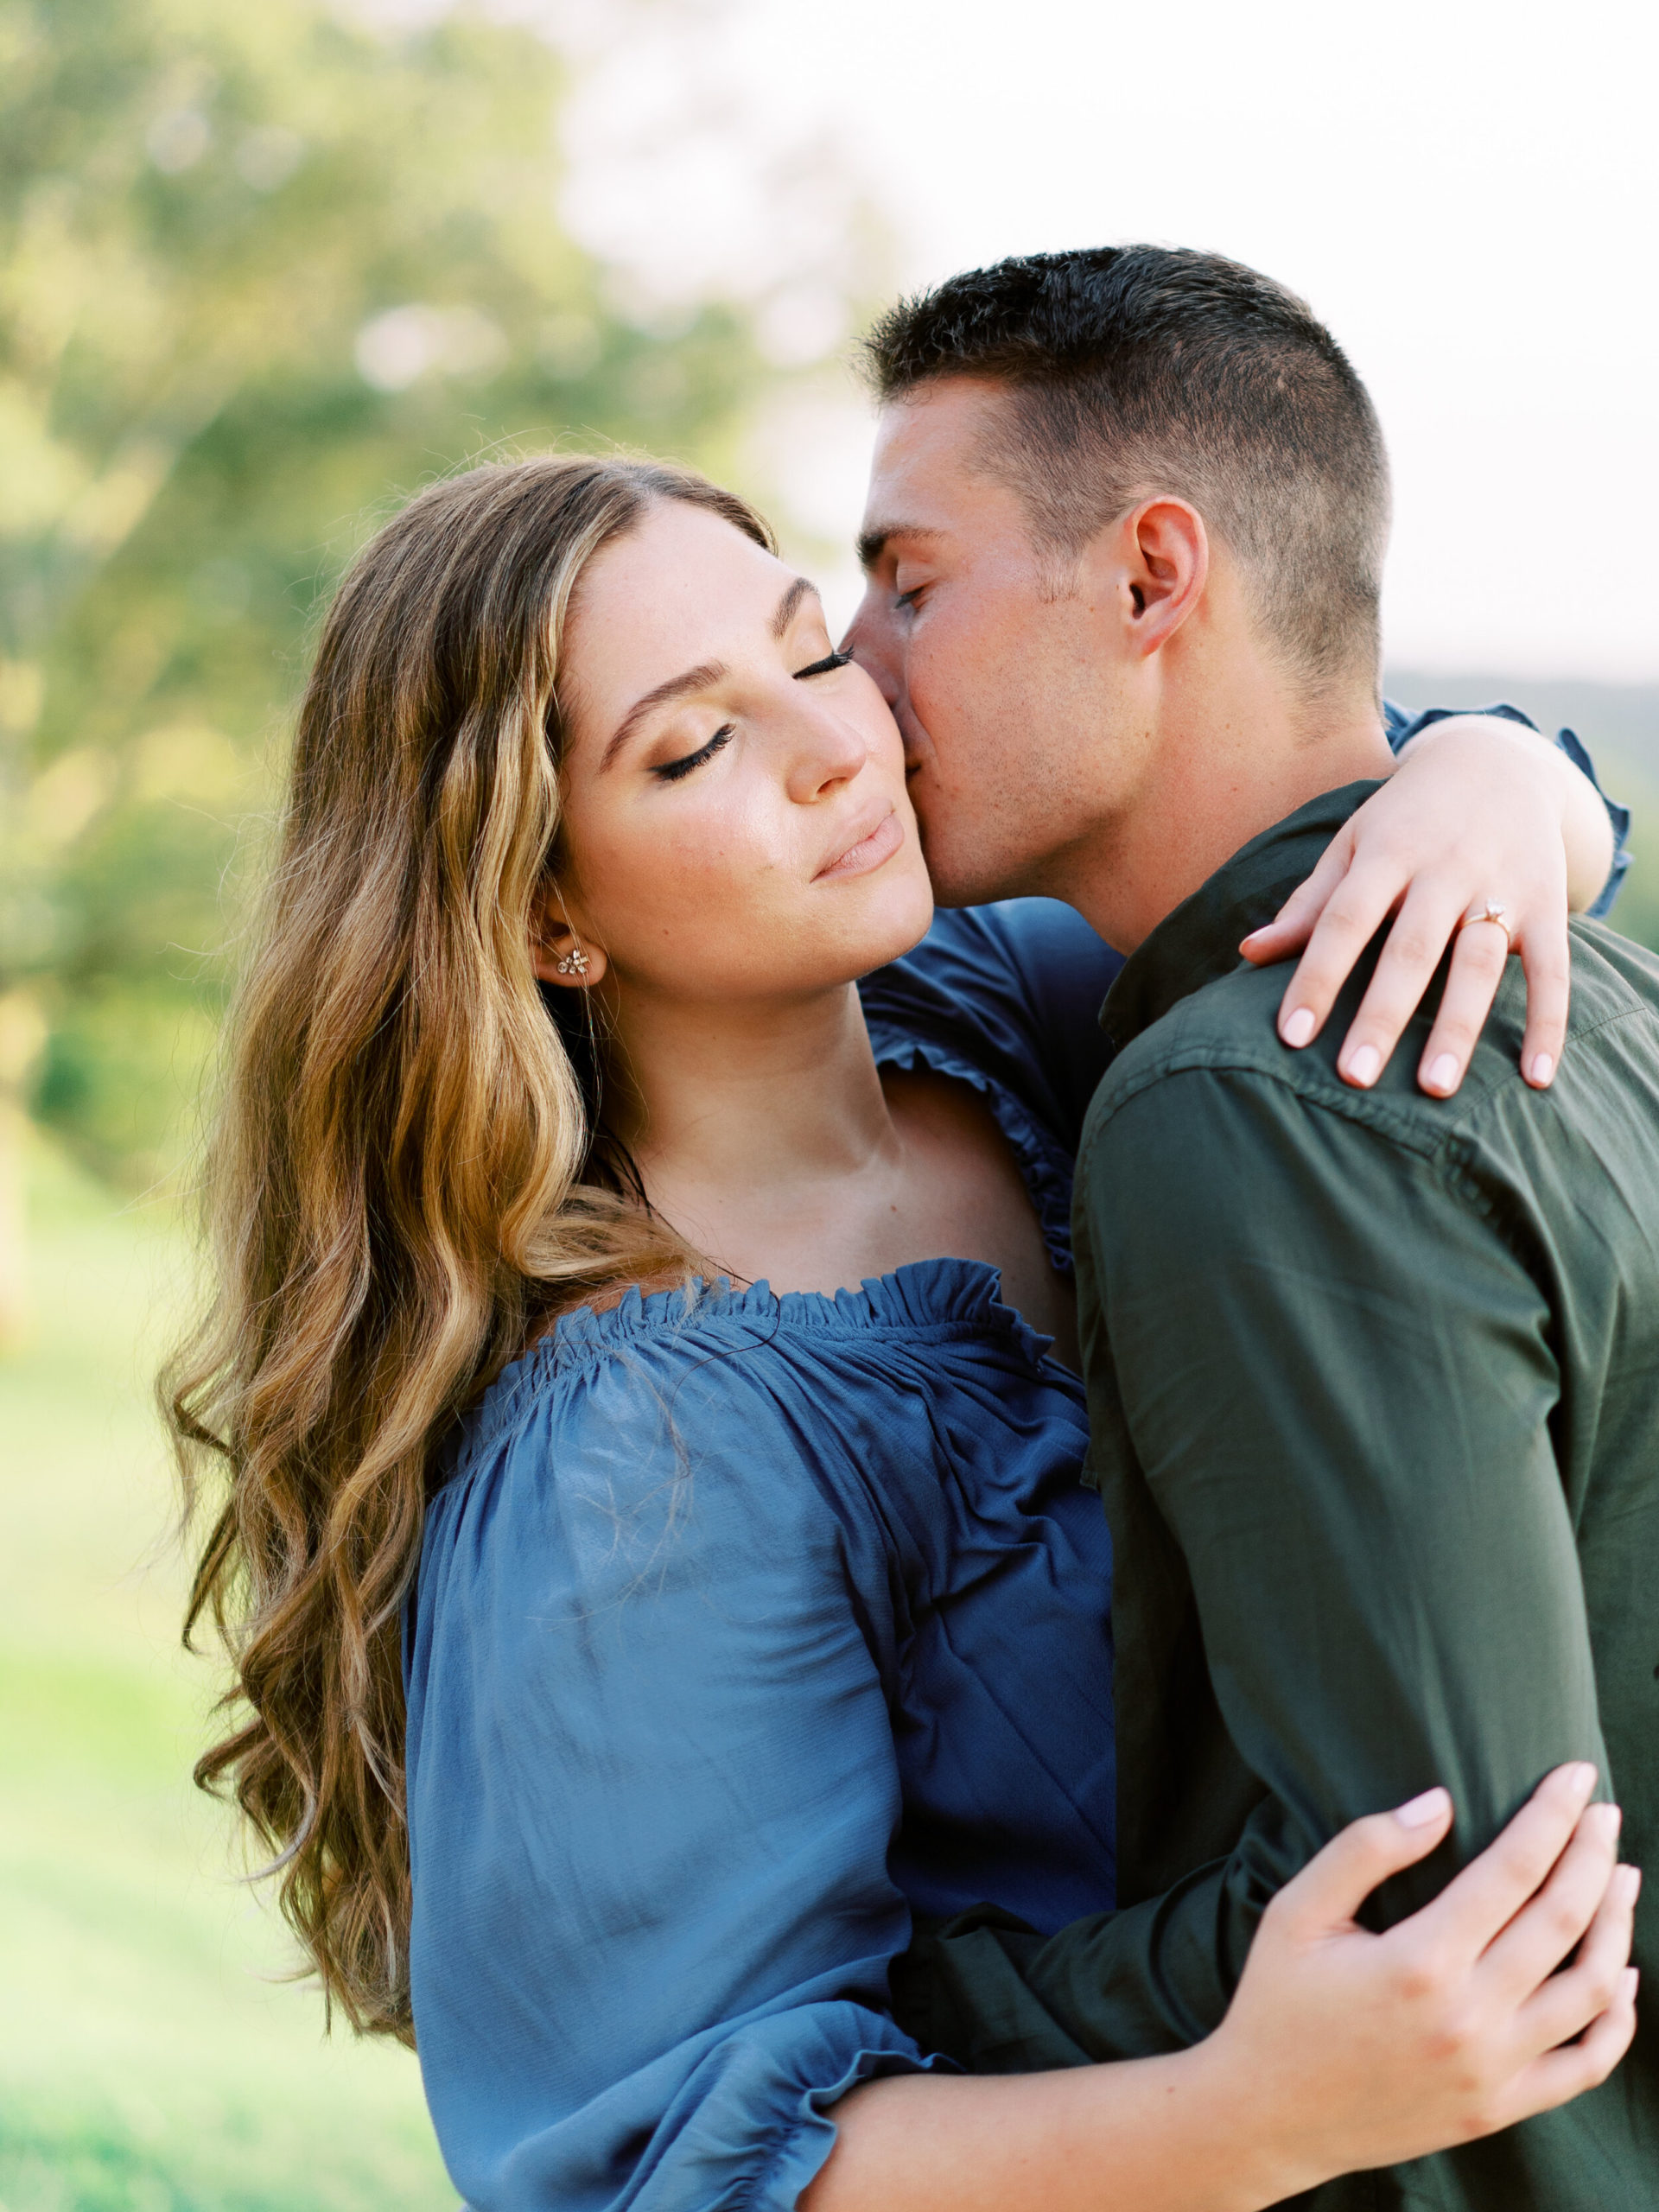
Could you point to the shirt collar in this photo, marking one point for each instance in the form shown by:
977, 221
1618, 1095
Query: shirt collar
1199, 940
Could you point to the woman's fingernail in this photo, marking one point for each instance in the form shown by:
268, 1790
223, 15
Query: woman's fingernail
1297, 1025
1420, 1812
1631, 1979
1583, 1777
1542, 1068
1363, 1067
1630, 1884
1443, 1072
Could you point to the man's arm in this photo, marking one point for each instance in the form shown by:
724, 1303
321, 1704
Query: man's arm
1322, 1429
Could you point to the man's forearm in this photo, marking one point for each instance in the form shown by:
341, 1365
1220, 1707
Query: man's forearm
1000, 1999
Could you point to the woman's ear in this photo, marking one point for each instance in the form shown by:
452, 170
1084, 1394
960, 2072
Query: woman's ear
558, 952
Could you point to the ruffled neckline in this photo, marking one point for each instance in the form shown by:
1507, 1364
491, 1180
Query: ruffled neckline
923, 1300
926, 1297
923, 1294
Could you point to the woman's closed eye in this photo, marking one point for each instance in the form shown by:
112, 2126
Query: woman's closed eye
670, 772
823, 667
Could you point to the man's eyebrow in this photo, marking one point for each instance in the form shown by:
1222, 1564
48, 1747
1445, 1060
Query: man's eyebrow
677, 687
873, 543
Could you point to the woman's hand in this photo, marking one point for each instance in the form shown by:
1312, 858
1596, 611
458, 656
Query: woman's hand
1479, 809
1368, 2050
1341, 2051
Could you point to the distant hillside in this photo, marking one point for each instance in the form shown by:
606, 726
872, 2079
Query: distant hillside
1619, 723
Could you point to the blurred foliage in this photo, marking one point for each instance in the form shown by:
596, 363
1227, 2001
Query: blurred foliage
265, 269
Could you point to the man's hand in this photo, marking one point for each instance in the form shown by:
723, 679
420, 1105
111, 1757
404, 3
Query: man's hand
1480, 810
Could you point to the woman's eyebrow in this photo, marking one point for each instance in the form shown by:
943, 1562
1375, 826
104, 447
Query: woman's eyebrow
694, 679
789, 605
700, 679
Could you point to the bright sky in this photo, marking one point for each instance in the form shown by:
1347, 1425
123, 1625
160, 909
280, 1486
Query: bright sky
1466, 192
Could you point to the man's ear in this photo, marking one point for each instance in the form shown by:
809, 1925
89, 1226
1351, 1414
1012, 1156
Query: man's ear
1165, 552
558, 952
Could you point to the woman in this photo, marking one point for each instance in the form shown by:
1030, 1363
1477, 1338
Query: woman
738, 1621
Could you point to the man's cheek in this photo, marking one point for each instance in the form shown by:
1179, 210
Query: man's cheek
939, 715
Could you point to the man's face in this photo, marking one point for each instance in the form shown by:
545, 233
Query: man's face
1003, 688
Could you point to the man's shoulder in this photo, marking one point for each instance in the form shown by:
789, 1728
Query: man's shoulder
1224, 1030
1221, 1039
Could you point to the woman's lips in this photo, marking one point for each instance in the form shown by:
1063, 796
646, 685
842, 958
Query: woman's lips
875, 846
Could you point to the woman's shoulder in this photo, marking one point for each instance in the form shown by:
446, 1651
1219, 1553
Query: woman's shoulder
1007, 998
647, 1385
731, 1416
727, 1456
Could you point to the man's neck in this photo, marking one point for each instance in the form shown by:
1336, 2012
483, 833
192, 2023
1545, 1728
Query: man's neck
1211, 785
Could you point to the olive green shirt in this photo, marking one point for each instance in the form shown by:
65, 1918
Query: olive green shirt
1374, 1393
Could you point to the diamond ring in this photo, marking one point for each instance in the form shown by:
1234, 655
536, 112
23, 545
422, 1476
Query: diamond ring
1491, 911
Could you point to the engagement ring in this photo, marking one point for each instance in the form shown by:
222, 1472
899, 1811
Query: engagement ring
1492, 912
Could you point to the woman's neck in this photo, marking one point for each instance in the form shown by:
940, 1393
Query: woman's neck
767, 1137
741, 1118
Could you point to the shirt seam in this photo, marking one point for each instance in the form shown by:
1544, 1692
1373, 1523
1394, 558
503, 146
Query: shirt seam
1363, 1109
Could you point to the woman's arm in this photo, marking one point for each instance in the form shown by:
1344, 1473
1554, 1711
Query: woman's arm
1480, 808
1342, 2050
652, 1787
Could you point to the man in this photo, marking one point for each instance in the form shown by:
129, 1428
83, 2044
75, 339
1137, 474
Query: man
1373, 1373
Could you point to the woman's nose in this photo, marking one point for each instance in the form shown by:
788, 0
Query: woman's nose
828, 751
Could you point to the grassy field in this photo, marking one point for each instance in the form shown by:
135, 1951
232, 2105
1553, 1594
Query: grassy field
150, 2060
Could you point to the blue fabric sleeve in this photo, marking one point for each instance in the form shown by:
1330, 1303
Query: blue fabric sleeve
1008, 997
651, 1789
1018, 987
1402, 728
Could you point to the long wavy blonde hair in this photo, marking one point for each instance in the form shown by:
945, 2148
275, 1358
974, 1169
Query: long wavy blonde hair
407, 1178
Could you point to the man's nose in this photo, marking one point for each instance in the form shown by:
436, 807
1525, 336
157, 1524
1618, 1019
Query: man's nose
873, 641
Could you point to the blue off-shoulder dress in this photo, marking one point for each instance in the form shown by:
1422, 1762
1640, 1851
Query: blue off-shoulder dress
740, 1633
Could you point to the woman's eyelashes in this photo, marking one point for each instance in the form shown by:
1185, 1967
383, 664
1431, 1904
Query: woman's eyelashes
671, 771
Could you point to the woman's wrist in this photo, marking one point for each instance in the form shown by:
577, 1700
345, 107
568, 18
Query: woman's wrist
1511, 747
1238, 2126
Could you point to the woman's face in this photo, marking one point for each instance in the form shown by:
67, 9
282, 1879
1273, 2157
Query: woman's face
735, 820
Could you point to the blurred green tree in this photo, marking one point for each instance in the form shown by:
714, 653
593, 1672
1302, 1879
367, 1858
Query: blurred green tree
263, 268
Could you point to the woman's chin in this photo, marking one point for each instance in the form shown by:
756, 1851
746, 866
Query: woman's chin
896, 923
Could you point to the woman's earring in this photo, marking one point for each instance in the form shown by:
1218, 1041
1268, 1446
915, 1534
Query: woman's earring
573, 962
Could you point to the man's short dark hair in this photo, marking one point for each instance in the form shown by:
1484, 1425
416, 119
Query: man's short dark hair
1138, 369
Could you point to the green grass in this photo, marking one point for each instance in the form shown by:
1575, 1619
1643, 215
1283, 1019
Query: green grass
151, 2058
